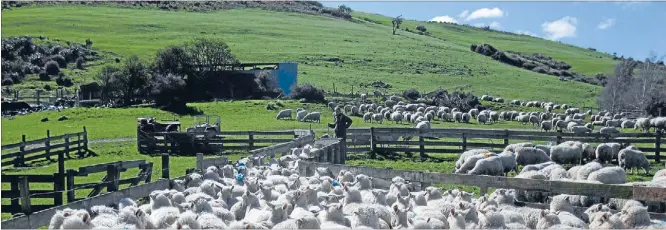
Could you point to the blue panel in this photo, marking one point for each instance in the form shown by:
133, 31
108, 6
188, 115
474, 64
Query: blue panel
287, 76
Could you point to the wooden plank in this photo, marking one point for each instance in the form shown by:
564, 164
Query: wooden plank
102, 167
246, 133
485, 145
10, 155
271, 140
533, 138
42, 218
33, 178
70, 135
12, 146
649, 193
33, 194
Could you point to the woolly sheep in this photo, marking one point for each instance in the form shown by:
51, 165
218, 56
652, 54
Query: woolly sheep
627, 124
587, 169
635, 217
566, 154
629, 158
609, 175
313, 116
488, 166
508, 162
300, 115
463, 157
481, 118
606, 220
512, 147
643, 123
367, 117
546, 125
530, 155
604, 153
610, 131
466, 117
378, 118
284, 114
470, 162
396, 117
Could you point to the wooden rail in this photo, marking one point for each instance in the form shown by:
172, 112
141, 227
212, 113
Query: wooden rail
112, 179
42, 218
636, 192
392, 139
20, 191
43, 149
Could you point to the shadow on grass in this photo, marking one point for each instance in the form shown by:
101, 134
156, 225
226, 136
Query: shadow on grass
183, 110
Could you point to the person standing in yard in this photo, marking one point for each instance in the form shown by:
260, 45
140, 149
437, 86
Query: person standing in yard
341, 123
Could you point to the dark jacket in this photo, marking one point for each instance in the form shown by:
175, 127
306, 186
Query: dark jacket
340, 123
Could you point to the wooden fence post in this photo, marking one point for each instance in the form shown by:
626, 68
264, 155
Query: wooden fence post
464, 142
200, 161
559, 137
37, 93
19, 160
113, 175
47, 144
421, 148
657, 147
506, 137
85, 139
24, 191
71, 195
59, 184
165, 165
373, 144
78, 145
67, 147
250, 143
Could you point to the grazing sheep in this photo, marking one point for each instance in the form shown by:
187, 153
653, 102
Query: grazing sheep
491, 166
300, 115
604, 153
566, 154
530, 155
367, 117
546, 125
609, 131
284, 114
627, 124
312, 117
630, 158
466, 117
577, 129
584, 171
481, 118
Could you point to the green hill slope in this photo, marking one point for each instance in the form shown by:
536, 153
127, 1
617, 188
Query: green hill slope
366, 49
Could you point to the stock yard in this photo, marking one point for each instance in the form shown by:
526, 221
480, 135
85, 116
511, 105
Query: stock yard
445, 139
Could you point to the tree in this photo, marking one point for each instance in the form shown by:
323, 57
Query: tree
132, 80
344, 9
396, 23
612, 97
106, 78
421, 28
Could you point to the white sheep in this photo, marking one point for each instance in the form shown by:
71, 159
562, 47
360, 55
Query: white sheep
604, 153
367, 117
566, 153
530, 155
609, 175
378, 118
488, 166
631, 159
300, 115
609, 131
312, 117
286, 113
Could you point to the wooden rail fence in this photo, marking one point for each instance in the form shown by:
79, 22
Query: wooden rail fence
20, 154
362, 140
112, 179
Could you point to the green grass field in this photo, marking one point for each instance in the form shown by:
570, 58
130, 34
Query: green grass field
368, 51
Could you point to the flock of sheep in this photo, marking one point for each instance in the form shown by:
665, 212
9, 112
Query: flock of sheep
572, 120
277, 197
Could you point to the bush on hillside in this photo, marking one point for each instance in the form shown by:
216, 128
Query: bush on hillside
79, 63
421, 28
52, 68
411, 94
168, 91
62, 63
43, 76
48, 87
7, 81
64, 81
308, 92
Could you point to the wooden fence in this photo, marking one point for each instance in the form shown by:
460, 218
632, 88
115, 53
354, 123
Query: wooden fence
112, 179
20, 191
42, 149
636, 192
179, 142
387, 139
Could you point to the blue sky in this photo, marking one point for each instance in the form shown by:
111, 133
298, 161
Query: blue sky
630, 28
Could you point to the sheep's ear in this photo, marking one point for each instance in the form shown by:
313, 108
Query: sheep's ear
139, 213
452, 212
567, 198
428, 220
557, 213
599, 207
248, 226
395, 208
86, 218
410, 220
179, 226
462, 206
605, 217
543, 213
299, 221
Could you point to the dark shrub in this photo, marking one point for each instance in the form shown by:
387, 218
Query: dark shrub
421, 28
48, 87
7, 81
64, 81
168, 91
411, 94
88, 43
35, 69
308, 92
117, 60
79, 63
62, 63
43, 76
52, 68
56, 50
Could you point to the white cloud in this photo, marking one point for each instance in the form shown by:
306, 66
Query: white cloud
485, 13
525, 32
495, 25
444, 18
561, 28
463, 14
606, 24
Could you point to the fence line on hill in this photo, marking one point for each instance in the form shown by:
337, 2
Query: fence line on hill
44, 148
378, 139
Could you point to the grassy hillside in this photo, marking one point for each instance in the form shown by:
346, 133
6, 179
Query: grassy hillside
367, 50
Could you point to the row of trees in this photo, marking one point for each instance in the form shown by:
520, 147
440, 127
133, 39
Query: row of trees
636, 86
198, 70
